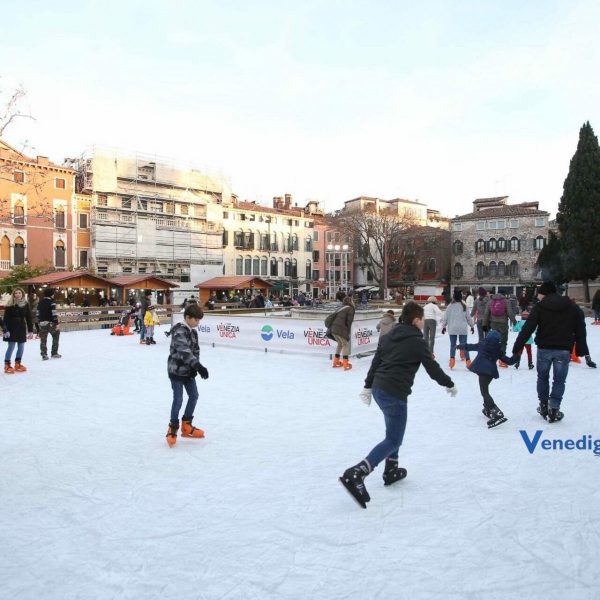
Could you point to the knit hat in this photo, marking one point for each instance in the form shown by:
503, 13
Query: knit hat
457, 295
547, 288
482, 291
432, 299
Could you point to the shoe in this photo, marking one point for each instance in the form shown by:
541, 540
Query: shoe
19, 368
531, 366
346, 364
44, 357
468, 363
57, 355
337, 362
188, 430
353, 480
554, 415
452, 363
543, 409
152, 340
496, 418
7, 368
172, 434
589, 362
503, 365
392, 472
517, 364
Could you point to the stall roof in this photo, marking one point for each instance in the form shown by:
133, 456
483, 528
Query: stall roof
233, 282
62, 279
148, 282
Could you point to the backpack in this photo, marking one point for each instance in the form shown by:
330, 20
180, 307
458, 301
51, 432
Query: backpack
498, 307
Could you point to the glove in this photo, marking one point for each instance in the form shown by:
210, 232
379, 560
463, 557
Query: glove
203, 372
6, 335
472, 329
452, 390
589, 362
444, 331
365, 396
485, 329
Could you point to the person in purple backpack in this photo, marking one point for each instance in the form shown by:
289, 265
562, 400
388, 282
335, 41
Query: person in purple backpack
498, 313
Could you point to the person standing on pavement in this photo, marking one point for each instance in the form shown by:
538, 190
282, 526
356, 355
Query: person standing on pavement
48, 319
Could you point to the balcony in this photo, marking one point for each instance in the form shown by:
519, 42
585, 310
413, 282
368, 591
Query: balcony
4, 265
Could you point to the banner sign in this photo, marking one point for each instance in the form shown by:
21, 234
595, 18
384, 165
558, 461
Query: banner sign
280, 334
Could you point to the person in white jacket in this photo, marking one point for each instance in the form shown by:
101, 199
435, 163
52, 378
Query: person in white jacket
432, 316
457, 321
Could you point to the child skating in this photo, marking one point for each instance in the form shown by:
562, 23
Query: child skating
489, 351
517, 327
183, 364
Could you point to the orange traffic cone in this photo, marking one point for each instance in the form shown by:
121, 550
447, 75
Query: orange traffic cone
574, 357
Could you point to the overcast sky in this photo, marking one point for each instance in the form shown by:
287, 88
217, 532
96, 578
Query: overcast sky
443, 101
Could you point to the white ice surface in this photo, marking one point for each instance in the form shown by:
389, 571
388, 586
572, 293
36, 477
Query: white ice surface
93, 503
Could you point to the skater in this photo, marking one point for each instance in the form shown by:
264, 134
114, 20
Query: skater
145, 303
432, 316
498, 313
386, 323
584, 347
524, 302
596, 307
182, 366
48, 318
517, 327
457, 321
341, 329
35, 301
469, 301
399, 355
478, 311
150, 321
137, 324
558, 327
17, 328
484, 366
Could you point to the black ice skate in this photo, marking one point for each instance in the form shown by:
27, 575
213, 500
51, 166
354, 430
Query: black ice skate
496, 418
543, 409
531, 366
394, 474
554, 415
353, 480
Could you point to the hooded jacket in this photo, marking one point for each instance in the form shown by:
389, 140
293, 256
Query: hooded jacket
457, 319
489, 352
399, 355
342, 324
559, 326
184, 353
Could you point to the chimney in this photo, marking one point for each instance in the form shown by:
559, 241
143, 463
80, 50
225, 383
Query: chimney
42, 161
288, 201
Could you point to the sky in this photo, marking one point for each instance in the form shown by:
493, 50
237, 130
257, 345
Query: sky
436, 101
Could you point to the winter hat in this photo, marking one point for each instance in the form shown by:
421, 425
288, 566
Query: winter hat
492, 337
547, 288
457, 295
432, 299
482, 291
49, 292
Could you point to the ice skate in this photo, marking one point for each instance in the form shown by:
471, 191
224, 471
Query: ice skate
531, 366
392, 472
19, 368
336, 362
346, 364
353, 480
172, 434
543, 409
7, 368
188, 430
496, 418
554, 415
452, 363
57, 355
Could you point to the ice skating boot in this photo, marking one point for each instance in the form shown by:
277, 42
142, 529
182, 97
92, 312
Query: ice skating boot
172, 434
147, 341
336, 361
543, 409
531, 366
486, 412
7, 368
57, 355
188, 430
452, 363
554, 415
589, 362
496, 418
353, 480
518, 363
392, 472
346, 364
19, 368
152, 338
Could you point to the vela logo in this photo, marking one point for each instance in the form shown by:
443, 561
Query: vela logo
585, 442
266, 333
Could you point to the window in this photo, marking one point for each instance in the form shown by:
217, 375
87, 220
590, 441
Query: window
19, 213
497, 224
264, 265
256, 266
287, 268
184, 209
238, 239
141, 269
501, 269
457, 247
273, 267
248, 265
491, 245
249, 241
125, 202
225, 238
539, 243
308, 271
514, 269
59, 254
479, 246
540, 221
104, 269
59, 218
239, 265
501, 245
294, 242
456, 226
19, 252
308, 244
60, 183
316, 274
429, 266
458, 270
513, 223
274, 244
5, 251
84, 220
102, 200
480, 225
480, 270
225, 214
315, 236
83, 259
19, 177
493, 269
515, 245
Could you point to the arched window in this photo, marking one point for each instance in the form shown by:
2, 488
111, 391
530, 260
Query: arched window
429, 265
308, 272
274, 267
280, 268
5, 249
274, 244
294, 268
294, 242
19, 213
515, 245
238, 239
514, 269
59, 217
480, 270
493, 269
539, 243
501, 269
264, 263
308, 244
239, 265
248, 265
287, 243
59, 254
256, 266
264, 241
480, 246
287, 271
457, 247
501, 245
19, 252
458, 271
492, 245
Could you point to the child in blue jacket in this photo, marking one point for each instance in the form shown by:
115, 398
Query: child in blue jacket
485, 366
517, 327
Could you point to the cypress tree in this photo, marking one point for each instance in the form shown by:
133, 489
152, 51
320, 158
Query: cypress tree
578, 214
550, 260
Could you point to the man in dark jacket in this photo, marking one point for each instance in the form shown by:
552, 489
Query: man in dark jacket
48, 320
399, 355
559, 326
145, 305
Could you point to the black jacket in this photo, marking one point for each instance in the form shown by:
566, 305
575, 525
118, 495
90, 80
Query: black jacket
17, 320
399, 355
559, 326
47, 311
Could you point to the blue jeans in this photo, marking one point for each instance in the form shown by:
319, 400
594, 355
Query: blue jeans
462, 339
11, 346
394, 411
192, 391
559, 361
142, 331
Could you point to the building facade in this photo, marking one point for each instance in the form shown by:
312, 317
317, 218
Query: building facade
497, 245
37, 212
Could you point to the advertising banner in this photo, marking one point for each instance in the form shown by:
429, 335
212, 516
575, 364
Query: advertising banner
277, 334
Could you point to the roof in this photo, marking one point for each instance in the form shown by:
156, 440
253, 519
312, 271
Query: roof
150, 281
515, 210
293, 211
233, 282
20, 157
57, 277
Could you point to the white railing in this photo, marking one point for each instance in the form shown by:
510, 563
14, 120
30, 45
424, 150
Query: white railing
4, 265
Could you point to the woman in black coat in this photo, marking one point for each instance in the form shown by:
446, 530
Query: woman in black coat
17, 328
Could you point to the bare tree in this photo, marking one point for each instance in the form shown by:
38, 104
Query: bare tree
10, 107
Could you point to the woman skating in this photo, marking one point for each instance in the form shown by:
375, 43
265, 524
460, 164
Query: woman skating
17, 329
